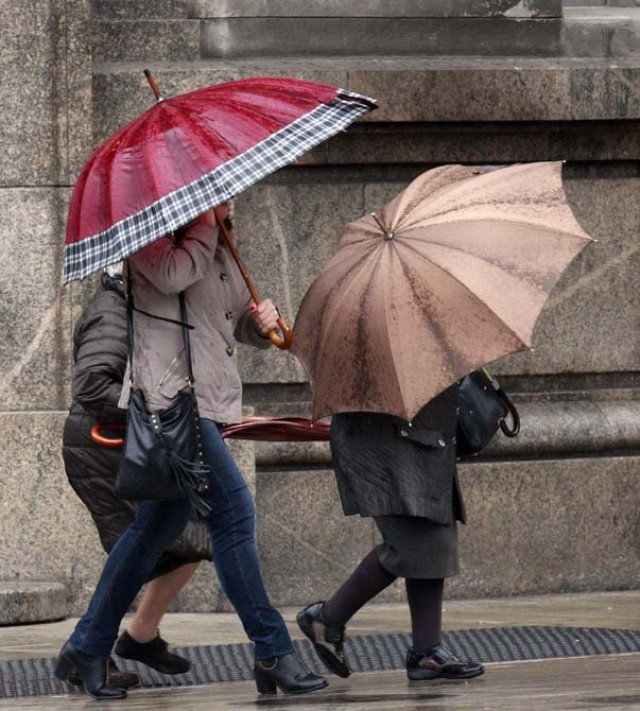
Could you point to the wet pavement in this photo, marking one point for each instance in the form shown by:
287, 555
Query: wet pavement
592, 683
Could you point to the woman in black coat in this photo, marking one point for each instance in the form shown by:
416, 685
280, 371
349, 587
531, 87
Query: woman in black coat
100, 359
403, 474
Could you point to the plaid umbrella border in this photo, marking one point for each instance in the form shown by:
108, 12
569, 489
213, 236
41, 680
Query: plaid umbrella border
215, 187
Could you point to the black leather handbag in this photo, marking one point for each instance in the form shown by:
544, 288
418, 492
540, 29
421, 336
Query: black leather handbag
483, 409
162, 456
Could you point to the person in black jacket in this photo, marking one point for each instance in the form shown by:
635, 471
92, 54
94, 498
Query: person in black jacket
100, 359
403, 474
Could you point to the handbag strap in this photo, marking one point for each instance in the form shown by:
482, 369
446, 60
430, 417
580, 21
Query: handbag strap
183, 323
515, 415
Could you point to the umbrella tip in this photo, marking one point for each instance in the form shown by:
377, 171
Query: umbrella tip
154, 85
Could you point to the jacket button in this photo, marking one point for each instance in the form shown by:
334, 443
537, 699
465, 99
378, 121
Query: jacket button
457, 410
230, 350
404, 433
228, 315
224, 277
442, 443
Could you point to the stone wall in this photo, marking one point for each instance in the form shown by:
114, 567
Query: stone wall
554, 510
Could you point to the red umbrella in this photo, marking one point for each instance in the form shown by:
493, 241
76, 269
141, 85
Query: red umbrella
190, 153
253, 427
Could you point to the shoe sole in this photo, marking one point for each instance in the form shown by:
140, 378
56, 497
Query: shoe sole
333, 664
425, 675
306, 691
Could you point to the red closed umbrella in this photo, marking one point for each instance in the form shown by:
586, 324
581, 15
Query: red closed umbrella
253, 427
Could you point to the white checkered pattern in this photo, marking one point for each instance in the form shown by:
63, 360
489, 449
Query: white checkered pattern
214, 188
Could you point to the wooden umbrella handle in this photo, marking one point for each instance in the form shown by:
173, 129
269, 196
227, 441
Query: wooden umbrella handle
282, 342
103, 441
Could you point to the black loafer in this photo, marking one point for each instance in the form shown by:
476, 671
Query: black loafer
440, 663
115, 677
154, 654
327, 640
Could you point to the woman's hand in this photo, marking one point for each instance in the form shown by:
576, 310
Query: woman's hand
265, 314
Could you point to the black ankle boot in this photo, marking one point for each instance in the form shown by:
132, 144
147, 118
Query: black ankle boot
287, 674
115, 677
154, 654
327, 640
92, 671
440, 662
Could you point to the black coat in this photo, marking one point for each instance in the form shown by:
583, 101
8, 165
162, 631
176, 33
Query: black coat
100, 358
386, 466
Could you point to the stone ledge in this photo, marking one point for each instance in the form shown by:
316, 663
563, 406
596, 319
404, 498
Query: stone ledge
548, 429
409, 90
375, 8
377, 36
24, 602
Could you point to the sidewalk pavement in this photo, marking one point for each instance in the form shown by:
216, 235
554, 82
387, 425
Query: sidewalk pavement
601, 682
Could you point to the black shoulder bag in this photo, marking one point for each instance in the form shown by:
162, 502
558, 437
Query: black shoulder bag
484, 407
163, 456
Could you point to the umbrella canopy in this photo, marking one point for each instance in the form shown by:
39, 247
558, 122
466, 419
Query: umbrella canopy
450, 275
191, 153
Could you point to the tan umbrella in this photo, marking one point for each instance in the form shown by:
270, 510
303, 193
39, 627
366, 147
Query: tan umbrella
449, 276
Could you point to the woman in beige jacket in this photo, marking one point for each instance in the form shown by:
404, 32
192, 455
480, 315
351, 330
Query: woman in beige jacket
221, 312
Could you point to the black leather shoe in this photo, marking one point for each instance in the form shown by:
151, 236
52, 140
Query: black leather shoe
440, 662
287, 674
154, 654
327, 640
92, 671
115, 677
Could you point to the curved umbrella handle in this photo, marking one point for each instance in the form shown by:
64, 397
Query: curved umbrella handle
103, 441
282, 342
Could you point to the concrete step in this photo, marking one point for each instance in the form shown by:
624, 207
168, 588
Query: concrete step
601, 31
24, 602
375, 8
128, 40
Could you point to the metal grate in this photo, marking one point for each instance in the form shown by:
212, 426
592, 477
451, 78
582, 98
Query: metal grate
234, 662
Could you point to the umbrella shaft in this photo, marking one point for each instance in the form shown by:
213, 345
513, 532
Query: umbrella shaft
234, 252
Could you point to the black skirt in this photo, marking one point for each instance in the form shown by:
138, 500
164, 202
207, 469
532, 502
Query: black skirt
415, 547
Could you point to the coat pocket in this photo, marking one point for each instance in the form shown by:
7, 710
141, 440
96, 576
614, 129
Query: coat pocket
432, 439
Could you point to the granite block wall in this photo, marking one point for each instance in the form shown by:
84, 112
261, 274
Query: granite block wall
555, 512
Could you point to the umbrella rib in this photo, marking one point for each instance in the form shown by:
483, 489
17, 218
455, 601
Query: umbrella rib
389, 341
468, 290
457, 249
520, 223
435, 327
335, 311
188, 110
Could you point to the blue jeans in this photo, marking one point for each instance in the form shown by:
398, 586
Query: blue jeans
231, 525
